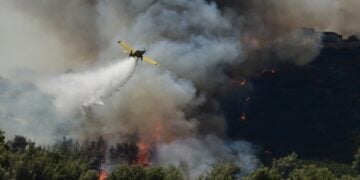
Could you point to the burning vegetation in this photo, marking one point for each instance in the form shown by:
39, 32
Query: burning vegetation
229, 70
143, 156
103, 175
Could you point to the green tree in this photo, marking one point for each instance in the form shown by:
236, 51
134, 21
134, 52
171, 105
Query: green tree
173, 173
68, 169
264, 174
3, 174
224, 172
155, 173
348, 177
285, 164
21, 171
2, 137
89, 175
2, 140
311, 172
19, 143
356, 162
338, 169
124, 152
124, 172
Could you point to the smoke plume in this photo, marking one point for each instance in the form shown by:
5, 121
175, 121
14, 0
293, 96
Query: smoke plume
277, 17
196, 156
25, 110
159, 105
274, 31
58, 57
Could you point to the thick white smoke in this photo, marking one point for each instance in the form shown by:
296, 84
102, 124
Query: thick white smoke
196, 156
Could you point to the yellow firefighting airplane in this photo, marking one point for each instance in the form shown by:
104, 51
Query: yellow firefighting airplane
138, 54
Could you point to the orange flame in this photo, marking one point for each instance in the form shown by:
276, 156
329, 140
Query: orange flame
143, 156
145, 144
103, 175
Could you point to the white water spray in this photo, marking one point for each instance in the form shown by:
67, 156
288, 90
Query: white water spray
74, 90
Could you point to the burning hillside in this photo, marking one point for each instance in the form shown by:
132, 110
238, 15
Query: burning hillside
192, 111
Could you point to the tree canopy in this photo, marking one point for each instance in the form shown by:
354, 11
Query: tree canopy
67, 159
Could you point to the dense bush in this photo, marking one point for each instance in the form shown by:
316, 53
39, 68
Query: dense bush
69, 160
264, 174
150, 173
292, 168
89, 175
225, 172
311, 173
356, 162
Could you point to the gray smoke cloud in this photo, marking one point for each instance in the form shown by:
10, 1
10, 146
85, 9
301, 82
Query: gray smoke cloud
272, 30
196, 156
190, 39
27, 49
26, 110
277, 17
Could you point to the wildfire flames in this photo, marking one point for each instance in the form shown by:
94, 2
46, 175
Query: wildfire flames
103, 175
145, 144
143, 156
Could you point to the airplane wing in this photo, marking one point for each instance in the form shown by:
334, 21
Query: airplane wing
127, 49
149, 60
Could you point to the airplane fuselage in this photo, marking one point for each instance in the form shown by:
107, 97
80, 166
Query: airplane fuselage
137, 54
